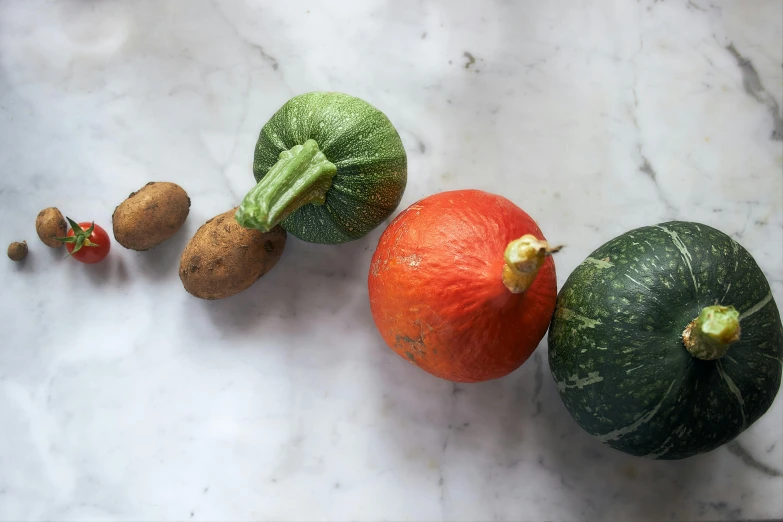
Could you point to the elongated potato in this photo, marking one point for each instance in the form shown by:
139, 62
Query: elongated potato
224, 258
50, 224
151, 215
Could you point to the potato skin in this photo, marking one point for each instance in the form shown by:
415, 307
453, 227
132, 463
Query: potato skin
151, 215
223, 258
50, 224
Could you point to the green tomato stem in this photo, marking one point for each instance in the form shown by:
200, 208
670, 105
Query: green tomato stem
709, 336
523, 258
301, 176
79, 238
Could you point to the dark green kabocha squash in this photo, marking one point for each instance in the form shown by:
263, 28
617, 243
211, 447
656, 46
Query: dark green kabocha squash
666, 341
330, 168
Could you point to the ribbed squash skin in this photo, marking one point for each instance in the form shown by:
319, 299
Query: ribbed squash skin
436, 292
364, 146
616, 350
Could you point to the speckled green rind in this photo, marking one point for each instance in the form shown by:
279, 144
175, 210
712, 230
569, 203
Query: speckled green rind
364, 146
616, 351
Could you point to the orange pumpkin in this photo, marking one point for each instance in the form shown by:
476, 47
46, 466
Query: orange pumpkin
462, 285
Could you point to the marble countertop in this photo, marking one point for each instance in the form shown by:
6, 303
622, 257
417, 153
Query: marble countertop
124, 398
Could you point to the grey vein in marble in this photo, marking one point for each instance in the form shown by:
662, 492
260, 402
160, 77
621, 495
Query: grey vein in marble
752, 83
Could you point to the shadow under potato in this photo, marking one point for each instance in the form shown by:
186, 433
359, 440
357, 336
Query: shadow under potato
162, 261
54, 253
310, 281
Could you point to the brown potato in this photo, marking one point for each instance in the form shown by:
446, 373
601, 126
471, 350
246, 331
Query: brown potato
150, 215
17, 251
50, 224
224, 258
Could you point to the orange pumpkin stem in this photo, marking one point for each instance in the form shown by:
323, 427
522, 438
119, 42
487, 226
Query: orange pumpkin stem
524, 258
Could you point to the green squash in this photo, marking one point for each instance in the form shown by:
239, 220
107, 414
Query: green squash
617, 341
330, 168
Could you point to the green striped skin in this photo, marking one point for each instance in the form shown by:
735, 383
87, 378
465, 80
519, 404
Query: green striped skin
616, 350
364, 146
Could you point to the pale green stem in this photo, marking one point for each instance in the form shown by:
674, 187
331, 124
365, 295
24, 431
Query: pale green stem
709, 336
301, 176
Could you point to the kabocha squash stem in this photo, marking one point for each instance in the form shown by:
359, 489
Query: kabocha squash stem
709, 336
524, 258
301, 176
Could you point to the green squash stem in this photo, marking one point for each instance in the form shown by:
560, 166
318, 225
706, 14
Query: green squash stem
709, 336
523, 259
302, 175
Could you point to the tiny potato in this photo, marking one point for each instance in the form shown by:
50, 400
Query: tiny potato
151, 215
17, 251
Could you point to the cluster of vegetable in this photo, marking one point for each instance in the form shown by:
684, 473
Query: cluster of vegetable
330, 168
147, 218
664, 343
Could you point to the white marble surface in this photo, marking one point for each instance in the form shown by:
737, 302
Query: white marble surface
123, 398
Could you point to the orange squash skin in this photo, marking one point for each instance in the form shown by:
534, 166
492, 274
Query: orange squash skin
436, 292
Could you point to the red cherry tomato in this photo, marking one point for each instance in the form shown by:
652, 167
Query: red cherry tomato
94, 249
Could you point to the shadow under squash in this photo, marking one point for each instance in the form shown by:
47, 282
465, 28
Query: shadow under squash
516, 428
